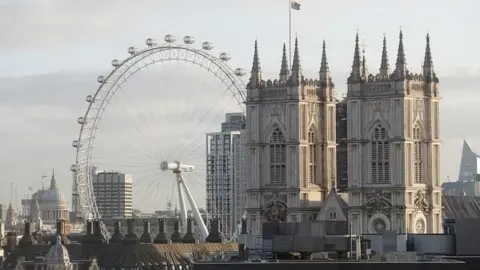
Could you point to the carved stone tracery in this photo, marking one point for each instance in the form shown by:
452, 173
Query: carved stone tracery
378, 202
421, 202
275, 208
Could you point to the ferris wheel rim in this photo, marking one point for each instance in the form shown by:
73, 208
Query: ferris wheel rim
86, 138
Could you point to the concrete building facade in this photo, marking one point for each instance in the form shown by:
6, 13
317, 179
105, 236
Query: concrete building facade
114, 194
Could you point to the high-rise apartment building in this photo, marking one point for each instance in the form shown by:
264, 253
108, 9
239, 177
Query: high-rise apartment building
225, 172
113, 194
342, 147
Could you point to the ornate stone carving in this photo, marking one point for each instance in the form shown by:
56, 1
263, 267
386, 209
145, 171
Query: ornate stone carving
275, 208
421, 201
378, 203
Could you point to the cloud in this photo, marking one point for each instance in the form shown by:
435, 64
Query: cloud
40, 113
154, 112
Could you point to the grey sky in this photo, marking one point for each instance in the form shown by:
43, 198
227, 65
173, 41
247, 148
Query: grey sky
52, 51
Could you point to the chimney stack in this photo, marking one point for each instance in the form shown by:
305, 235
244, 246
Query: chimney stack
145, 237
189, 237
97, 232
27, 239
176, 238
61, 231
11, 241
117, 236
161, 237
130, 237
214, 235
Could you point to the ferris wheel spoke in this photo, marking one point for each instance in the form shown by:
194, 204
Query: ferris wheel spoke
134, 143
201, 136
149, 153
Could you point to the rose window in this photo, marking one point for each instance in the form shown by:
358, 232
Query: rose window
379, 225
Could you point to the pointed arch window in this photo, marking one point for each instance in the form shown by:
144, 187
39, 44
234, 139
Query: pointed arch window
380, 156
312, 156
417, 155
278, 158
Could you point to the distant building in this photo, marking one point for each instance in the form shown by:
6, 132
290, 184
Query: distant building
113, 194
234, 122
49, 205
342, 149
225, 166
468, 183
3, 212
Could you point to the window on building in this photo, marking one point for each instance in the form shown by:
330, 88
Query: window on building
332, 215
417, 154
278, 157
312, 155
380, 156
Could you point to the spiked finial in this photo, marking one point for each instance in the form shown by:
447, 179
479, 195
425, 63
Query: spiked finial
384, 66
256, 73
428, 70
284, 71
428, 62
324, 62
296, 58
401, 65
326, 84
53, 181
355, 75
296, 77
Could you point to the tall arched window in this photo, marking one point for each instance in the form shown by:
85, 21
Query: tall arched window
278, 158
417, 154
312, 156
380, 156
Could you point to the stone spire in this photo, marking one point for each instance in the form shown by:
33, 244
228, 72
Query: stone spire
355, 75
296, 77
364, 69
256, 73
384, 66
325, 79
284, 71
324, 72
428, 71
401, 65
53, 182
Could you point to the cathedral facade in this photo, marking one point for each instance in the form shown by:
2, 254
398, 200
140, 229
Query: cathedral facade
394, 146
291, 142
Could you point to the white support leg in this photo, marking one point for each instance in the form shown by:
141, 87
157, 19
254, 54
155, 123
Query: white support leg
179, 168
183, 206
196, 212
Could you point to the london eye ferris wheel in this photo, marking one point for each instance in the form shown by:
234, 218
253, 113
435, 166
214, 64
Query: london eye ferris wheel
154, 127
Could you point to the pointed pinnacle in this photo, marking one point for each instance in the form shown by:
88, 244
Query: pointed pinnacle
296, 57
284, 67
384, 66
401, 52
324, 62
428, 62
256, 60
356, 54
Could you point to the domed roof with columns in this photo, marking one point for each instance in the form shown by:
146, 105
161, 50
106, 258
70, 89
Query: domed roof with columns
58, 257
49, 204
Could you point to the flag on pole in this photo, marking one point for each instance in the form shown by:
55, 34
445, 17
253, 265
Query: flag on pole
295, 5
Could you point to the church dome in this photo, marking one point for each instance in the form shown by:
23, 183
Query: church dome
58, 253
52, 195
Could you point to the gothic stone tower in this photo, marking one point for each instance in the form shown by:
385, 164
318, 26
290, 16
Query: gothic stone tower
291, 142
394, 146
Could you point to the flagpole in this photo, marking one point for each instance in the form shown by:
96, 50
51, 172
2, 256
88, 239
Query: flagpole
290, 33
